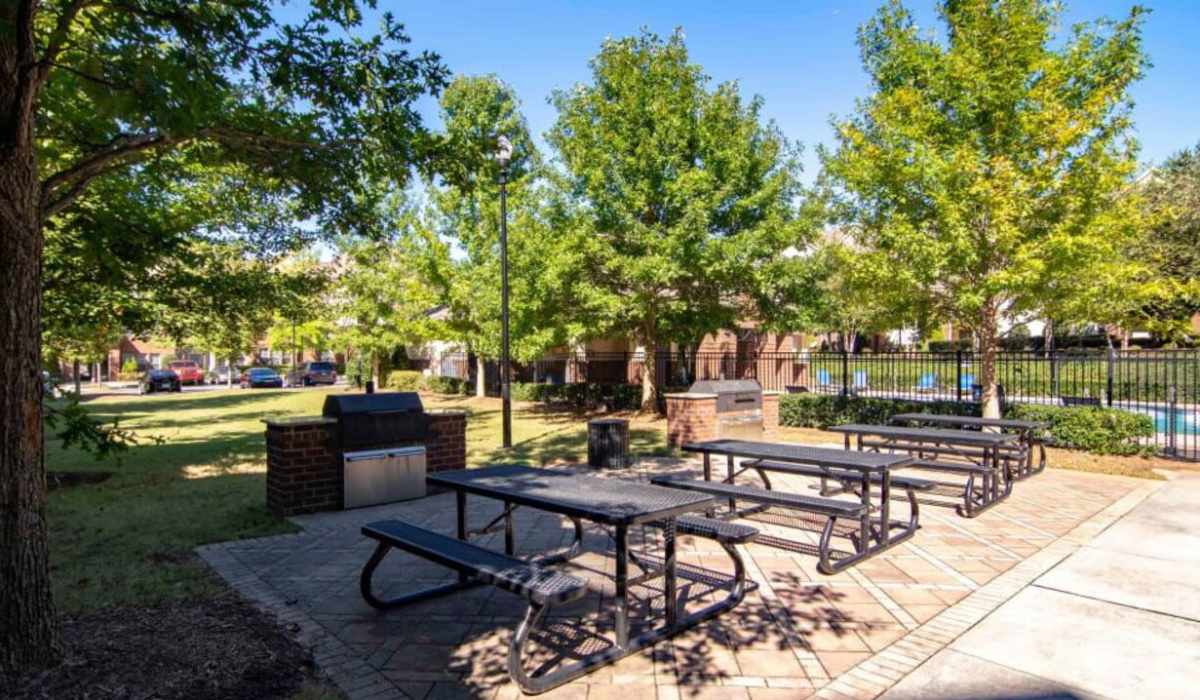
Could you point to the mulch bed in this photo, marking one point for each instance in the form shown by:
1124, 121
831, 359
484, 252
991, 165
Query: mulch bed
215, 648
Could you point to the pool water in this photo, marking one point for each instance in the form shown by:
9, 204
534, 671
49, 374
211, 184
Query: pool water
1186, 422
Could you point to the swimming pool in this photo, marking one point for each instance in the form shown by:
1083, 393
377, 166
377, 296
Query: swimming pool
1187, 422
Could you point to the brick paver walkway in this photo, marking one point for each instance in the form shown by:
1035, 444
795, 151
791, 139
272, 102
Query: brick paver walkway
799, 634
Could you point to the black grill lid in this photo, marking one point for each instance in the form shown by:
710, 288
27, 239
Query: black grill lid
725, 386
341, 405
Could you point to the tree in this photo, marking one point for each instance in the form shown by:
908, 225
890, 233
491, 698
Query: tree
853, 295
989, 164
462, 229
684, 194
95, 87
1171, 247
382, 298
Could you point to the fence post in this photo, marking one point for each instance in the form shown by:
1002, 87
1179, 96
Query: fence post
1054, 373
1172, 417
845, 373
958, 375
1108, 383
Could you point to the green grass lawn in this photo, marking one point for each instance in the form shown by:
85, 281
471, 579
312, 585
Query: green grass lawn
129, 539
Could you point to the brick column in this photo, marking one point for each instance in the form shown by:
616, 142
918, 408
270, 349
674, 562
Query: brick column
770, 414
691, 418
446, 447
303, 471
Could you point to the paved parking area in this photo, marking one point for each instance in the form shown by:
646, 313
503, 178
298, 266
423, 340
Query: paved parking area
798, 634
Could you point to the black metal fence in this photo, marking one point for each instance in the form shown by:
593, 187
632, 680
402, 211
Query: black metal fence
1164, 384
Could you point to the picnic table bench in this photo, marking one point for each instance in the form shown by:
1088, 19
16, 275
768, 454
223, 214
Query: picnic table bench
971, 453
612, 503
1028, 430
873, 535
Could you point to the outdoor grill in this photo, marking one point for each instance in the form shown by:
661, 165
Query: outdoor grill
376, 436
377, 420
739, 406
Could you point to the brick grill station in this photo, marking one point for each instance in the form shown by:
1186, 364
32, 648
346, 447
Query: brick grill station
304, 469
692, 417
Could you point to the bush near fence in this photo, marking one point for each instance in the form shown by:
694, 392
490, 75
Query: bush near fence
616, 397
1096, 430
405, 380
448, 385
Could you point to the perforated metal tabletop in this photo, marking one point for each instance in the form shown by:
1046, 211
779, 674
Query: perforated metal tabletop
973, 421
608, 501
930, 435
801, 454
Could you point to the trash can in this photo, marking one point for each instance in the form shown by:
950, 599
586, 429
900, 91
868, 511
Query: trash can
608, 443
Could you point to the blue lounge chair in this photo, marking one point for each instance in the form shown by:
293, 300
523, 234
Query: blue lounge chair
860, 379
927, 382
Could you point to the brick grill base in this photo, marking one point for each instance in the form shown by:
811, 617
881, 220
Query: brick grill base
304, 468
693, 417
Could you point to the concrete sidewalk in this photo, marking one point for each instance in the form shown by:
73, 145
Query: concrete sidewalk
1119, 618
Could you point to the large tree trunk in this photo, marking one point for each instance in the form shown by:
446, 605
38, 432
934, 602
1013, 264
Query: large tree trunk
986, 336
649, 370
75, 376
29, 635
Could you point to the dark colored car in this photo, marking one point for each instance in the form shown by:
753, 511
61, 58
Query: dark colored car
310, 373
260, 378
159, 380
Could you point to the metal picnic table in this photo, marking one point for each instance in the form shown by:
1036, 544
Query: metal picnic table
979, 453
1028, 430
874, 534
609, 502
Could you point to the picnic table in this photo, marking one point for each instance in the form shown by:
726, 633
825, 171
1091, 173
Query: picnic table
1028, 430
613, 503
973, 453
874, 534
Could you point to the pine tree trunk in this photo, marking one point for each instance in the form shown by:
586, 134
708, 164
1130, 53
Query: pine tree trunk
75, 376
29, 635
986, 337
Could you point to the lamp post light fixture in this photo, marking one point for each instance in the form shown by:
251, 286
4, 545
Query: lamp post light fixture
504, 151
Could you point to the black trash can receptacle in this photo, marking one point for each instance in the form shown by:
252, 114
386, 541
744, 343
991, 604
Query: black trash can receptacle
608, 443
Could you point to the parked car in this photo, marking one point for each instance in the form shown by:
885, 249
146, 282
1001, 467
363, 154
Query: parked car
189, 372
261, 378
309, 373
157, 380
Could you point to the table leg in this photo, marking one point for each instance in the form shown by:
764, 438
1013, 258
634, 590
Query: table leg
622, 585
846, 441
509, 545
885, 495
996, 473
864, 524
729, 468
707, 467
460, 506
669, 571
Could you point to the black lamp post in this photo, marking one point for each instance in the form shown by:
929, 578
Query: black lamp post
503, 156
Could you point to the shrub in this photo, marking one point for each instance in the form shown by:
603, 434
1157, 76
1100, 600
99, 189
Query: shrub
448, 385
405, 380
130, 370
824, 410
1097, 430
614, 396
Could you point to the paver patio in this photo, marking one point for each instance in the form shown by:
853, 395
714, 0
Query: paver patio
798, 634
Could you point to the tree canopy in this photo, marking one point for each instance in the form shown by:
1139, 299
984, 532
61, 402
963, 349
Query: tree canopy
989, 163
684, 194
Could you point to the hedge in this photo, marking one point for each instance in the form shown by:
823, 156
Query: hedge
1096, 430
448, 385
405, 380
613, 396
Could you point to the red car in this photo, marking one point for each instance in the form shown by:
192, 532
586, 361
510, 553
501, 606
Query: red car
189, 372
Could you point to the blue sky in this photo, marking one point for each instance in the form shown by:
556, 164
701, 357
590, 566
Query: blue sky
800, 56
